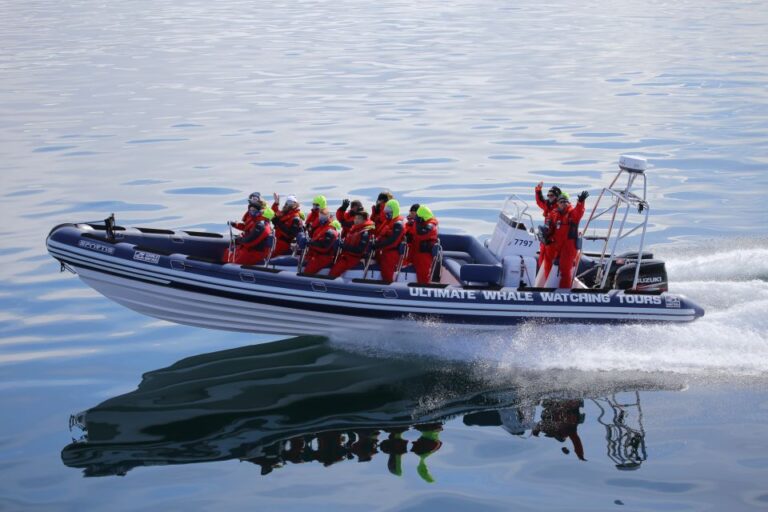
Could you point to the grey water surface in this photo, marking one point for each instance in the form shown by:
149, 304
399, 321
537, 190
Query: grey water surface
170, 113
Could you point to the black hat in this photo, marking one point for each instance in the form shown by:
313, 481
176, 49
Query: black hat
384, 196
414, 207
556, 190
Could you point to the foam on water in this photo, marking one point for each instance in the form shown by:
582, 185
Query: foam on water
729, 341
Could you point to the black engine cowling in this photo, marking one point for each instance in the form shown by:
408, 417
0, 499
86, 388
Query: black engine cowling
652, 278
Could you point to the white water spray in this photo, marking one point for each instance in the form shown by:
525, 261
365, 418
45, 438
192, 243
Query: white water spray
731, 340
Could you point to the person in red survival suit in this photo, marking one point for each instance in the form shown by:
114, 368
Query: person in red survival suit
322, 246
251, 248
355, 244
287, 222
563, 224
410, 226
388, 238
319, 202
378, 216
424, 239
547, 206
347, 218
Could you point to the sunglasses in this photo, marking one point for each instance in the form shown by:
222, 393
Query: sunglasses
550, 195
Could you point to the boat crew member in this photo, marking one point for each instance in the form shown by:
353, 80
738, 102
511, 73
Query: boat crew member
318, 203
377, 210
355, 244
388, 239
287, 222
563, 225
347, 218
251, 248
424, 239
547, 206
322, 246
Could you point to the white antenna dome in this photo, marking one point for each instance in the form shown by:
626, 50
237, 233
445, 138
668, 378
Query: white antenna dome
633, 163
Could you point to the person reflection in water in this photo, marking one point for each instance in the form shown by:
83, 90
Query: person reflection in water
425, 446
395, 447
560, 420
366, 445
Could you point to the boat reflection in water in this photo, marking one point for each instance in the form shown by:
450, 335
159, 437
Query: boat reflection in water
303, 400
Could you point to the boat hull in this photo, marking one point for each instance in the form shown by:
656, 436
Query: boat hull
175, 287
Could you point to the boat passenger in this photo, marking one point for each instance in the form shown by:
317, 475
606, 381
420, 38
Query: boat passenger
563, 224
388, 239
377, 210
321, 248
251, 248
547, 206
355, 244
410, 221
287, 223
410, 226
319, 202
347, 218
424, 239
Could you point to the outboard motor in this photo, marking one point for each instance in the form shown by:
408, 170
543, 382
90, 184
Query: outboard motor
652, 278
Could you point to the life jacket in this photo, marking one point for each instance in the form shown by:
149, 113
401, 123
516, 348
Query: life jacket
354, 239
544, 204
424, 235
564, 227
378, 217
346, 219
386, 232
283, 222
260, 241
313, 221
319, 235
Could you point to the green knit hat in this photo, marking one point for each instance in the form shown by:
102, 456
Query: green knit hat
393, 205
320, 200
424, 213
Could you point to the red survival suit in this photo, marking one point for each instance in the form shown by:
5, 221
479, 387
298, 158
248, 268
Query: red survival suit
545, 250
313, 220
353, 248
287, 226
424, 238
378, 217
564, 233
321, 248
346, 217
388, 238
251, 247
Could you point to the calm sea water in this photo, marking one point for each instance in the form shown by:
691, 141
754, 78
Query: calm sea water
170, 113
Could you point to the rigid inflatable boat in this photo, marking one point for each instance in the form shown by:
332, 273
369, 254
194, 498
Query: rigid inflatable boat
177, 275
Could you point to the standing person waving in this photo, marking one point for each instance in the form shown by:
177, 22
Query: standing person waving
563, 225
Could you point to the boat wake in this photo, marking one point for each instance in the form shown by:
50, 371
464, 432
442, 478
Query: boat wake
730, 341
